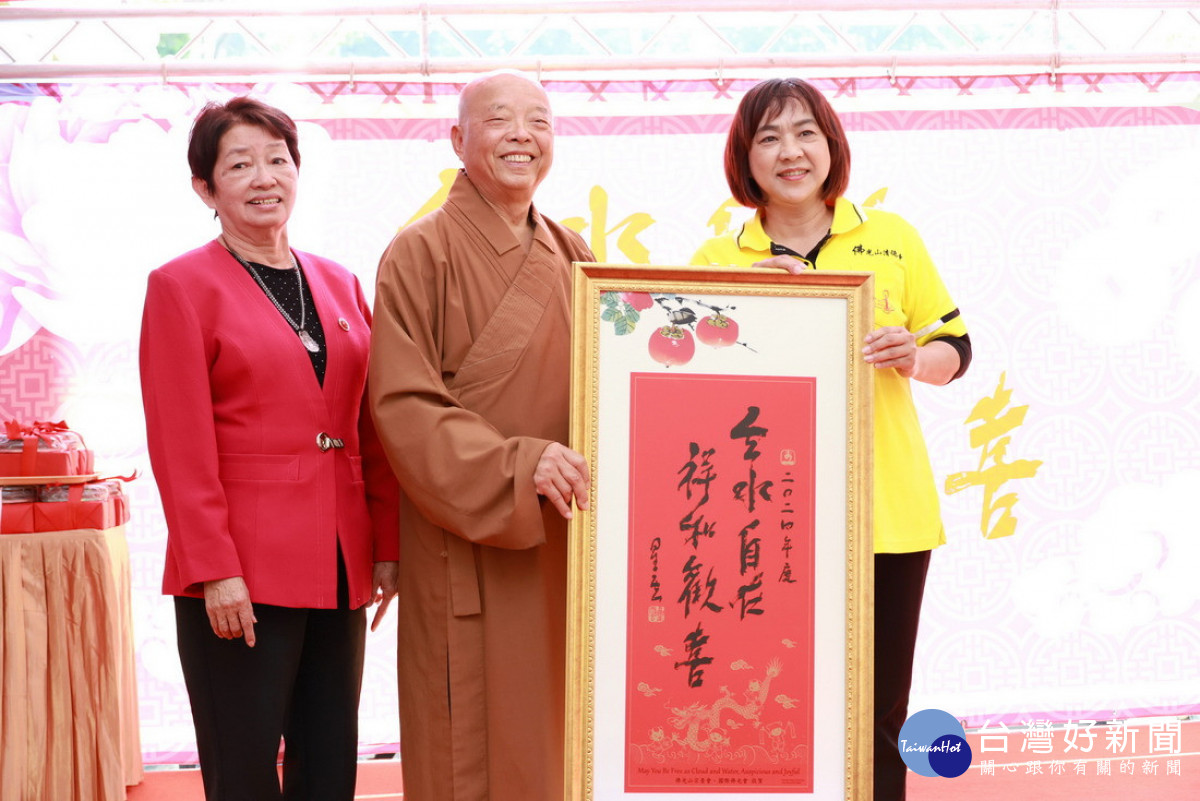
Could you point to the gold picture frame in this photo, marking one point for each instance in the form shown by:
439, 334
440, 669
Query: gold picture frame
664, 360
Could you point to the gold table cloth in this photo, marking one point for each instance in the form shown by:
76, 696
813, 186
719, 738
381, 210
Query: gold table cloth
68, 692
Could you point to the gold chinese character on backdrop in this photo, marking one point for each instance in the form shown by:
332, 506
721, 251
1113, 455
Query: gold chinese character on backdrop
721, 221
627, 230
445, 180
992, 437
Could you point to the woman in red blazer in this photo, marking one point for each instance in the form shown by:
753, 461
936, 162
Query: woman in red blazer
281, 508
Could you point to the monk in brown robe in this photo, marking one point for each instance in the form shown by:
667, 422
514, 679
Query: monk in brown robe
469, 381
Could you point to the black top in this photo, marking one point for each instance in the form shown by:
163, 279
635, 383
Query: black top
282, 284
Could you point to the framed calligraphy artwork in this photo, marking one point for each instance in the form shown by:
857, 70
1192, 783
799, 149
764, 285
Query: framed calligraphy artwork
720, 620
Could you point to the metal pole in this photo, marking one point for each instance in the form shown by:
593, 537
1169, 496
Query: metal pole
413, 69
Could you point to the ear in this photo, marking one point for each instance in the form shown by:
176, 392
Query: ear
456, 140
201, 189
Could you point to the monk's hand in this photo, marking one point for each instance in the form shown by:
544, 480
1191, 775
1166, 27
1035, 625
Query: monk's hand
892, 346
782, 262
230, 613
385, 579
562, 475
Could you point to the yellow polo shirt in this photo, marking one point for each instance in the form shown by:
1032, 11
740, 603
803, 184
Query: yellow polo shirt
909, 293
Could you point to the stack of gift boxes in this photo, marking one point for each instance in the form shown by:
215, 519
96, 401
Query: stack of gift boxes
48, 482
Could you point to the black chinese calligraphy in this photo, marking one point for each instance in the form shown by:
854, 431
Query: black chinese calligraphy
694, 644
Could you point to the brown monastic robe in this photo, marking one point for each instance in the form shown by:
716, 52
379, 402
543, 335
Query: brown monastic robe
469, 383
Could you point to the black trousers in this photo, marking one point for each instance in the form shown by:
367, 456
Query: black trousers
899, 587
301, 681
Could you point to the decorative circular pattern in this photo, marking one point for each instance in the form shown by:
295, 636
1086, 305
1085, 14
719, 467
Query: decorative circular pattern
1150, 373
1051, 367
1076, 458
1156, 444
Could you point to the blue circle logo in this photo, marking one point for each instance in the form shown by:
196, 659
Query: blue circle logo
933, 743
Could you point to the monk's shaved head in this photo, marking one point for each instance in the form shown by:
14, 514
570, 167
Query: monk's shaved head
472, 90
505, 138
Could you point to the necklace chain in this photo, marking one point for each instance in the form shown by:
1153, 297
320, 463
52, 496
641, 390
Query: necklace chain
305, 338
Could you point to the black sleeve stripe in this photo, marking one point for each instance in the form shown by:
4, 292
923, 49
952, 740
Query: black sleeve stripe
936, 324
961, 344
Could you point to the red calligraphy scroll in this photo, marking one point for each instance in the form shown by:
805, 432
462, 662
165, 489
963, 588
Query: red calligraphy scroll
719, 688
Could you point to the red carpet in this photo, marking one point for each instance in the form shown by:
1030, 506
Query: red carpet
1122, 765
378, 780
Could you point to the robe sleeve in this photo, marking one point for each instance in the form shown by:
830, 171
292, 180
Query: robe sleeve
181, 435
456, 468
383, 494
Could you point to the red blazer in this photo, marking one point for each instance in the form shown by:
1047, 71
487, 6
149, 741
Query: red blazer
233, 415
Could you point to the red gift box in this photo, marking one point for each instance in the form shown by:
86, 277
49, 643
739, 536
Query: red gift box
73, 513
16, 518
43, 449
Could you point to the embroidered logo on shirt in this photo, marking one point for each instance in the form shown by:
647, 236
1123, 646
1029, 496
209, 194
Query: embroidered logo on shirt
895, 254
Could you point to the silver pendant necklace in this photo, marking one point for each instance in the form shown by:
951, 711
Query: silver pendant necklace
306, 339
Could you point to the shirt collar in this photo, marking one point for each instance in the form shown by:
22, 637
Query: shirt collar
487, 220
847, 215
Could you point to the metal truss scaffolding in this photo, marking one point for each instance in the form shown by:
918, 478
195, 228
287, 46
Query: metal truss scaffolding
142, 40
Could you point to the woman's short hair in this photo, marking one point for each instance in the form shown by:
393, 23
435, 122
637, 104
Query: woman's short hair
764, 102
217, 118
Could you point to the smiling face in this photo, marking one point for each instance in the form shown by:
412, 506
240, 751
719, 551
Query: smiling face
505, 138
254, 183
789, 158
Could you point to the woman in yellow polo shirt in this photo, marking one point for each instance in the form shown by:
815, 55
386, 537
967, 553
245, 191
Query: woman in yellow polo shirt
787, 157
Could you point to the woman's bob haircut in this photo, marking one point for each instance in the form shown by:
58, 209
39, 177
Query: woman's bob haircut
216, 118
764, 103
